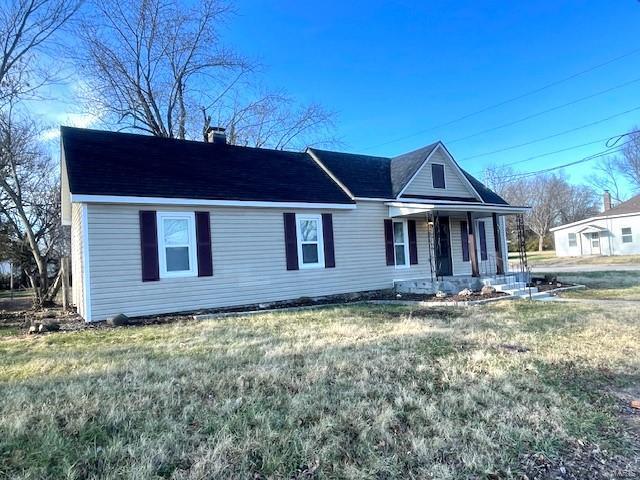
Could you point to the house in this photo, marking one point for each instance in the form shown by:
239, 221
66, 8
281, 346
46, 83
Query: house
614, 232
162, 225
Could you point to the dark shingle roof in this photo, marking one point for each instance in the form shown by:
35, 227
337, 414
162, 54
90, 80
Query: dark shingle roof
124, 164
630, 206
487, 195
404, 166
363, 175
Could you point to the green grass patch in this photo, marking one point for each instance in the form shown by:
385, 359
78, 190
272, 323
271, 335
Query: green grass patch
345, 392
610, 285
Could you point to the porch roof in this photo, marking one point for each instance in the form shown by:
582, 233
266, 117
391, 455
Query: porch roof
592, 229
401, 209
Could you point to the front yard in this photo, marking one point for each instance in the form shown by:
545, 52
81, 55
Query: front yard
548, 258
496, 391
613, 285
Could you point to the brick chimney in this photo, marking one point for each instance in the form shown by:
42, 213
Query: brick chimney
606, 200
216, 135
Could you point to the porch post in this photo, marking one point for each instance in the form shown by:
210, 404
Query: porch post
473, 253
496, 241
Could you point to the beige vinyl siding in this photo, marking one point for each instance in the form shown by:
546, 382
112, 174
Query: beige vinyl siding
76, 258
455, 184
248, 260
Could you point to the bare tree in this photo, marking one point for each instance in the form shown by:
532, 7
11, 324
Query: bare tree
151, 64
26, 27
607, 177
629, 162
276, 121
576, 202
29, 199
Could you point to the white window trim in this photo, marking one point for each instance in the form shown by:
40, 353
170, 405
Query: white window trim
444, 175
406, 244
623, 235
318, 218
575, 239
162, 252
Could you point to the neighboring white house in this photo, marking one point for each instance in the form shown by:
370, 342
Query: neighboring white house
614, 232
162, 225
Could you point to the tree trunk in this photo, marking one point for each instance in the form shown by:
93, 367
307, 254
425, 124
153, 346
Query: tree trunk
540, 242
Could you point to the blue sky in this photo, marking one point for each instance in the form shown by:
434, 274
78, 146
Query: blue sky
391, 69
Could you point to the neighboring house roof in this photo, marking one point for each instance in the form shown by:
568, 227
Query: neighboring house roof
124, 164
630, 207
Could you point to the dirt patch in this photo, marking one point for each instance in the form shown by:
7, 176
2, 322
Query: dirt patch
579, 462
440, 313
449, 298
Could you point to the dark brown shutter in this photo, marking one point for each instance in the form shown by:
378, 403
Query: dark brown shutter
149, 246
464, 236
203, 243
413, 242
388, 241
290, 241
483, 241
327, 237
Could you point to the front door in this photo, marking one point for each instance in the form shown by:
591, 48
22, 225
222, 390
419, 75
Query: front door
442, 247
595, 243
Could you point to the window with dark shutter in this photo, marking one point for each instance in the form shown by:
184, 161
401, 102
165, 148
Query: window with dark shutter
327, 234
290, 241
464, 237
413, 242
483, 241
203, 244
149, 246
437, 174
388, 241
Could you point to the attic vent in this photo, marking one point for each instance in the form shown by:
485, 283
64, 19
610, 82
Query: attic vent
216, 135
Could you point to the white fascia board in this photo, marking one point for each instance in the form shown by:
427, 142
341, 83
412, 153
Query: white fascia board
329, 173
86, 278
80, 198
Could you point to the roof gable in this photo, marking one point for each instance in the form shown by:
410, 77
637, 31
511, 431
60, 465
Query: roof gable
405, 166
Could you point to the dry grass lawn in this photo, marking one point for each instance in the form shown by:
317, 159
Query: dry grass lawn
376, 392
604, 285
548, 258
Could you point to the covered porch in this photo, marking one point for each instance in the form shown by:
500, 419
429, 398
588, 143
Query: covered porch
467, 244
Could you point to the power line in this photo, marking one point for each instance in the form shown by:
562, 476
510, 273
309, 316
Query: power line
507, 101
559, 134
543, 112
520, 176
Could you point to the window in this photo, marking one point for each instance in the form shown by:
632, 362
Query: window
464, 236
595, 240
400, 244
310, 246
176, 244
627, 236
483, 241
573, 240
437, 174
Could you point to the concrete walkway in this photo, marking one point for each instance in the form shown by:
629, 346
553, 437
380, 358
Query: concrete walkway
585, 268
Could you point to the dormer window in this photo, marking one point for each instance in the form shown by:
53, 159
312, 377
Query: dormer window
437, 174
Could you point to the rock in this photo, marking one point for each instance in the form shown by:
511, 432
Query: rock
441, 294
49, 325
467, 292
488, 290
635, 404
118, 320
33, 329
398, 295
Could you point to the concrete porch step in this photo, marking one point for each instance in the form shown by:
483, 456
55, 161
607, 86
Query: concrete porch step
519, 292
503, 287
